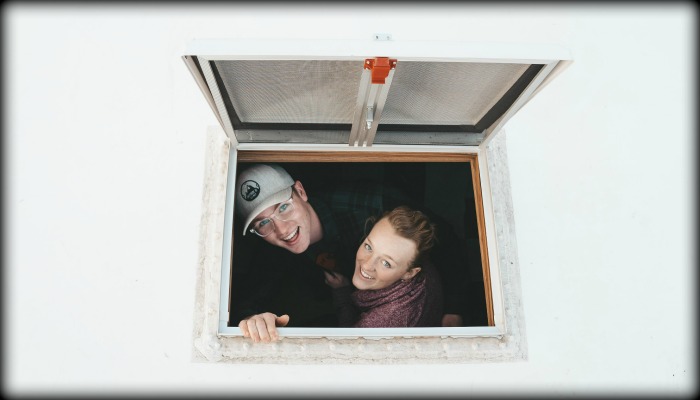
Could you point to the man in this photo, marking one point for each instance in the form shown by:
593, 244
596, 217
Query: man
325, 229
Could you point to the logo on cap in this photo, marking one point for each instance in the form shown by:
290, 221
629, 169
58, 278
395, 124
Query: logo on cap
250, 190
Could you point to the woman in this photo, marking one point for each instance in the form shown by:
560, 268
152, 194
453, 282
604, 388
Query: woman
396, 284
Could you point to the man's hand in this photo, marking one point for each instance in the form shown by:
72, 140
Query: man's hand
335, 280
450, 320
263, 327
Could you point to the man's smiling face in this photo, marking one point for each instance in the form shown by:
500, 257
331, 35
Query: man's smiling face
294, 234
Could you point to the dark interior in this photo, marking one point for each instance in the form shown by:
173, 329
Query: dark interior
443, 188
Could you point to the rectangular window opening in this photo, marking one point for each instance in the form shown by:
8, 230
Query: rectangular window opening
445, 185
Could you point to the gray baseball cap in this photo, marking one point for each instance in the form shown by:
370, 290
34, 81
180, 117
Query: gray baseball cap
259, 187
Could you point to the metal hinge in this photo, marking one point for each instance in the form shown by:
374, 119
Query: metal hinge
371, 96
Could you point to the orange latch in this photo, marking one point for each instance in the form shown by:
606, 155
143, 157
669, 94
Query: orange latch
380, 67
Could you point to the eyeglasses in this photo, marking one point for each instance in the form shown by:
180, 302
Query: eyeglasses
284, 212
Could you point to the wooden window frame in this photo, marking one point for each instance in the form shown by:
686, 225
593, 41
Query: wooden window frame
354, 156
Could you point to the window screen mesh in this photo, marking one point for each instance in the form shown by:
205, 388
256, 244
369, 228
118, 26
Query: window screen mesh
314, 101
447, 93
292, 91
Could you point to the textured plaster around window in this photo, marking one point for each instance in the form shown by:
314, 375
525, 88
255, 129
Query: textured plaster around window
209, 347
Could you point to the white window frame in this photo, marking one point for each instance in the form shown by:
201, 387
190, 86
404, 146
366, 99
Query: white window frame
505, 341
215, 341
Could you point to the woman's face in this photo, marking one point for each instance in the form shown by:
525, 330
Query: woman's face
383, 258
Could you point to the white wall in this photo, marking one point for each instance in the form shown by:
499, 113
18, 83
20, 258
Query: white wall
104, 162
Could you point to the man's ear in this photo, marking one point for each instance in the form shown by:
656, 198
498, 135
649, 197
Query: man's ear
300, 190
410, 273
